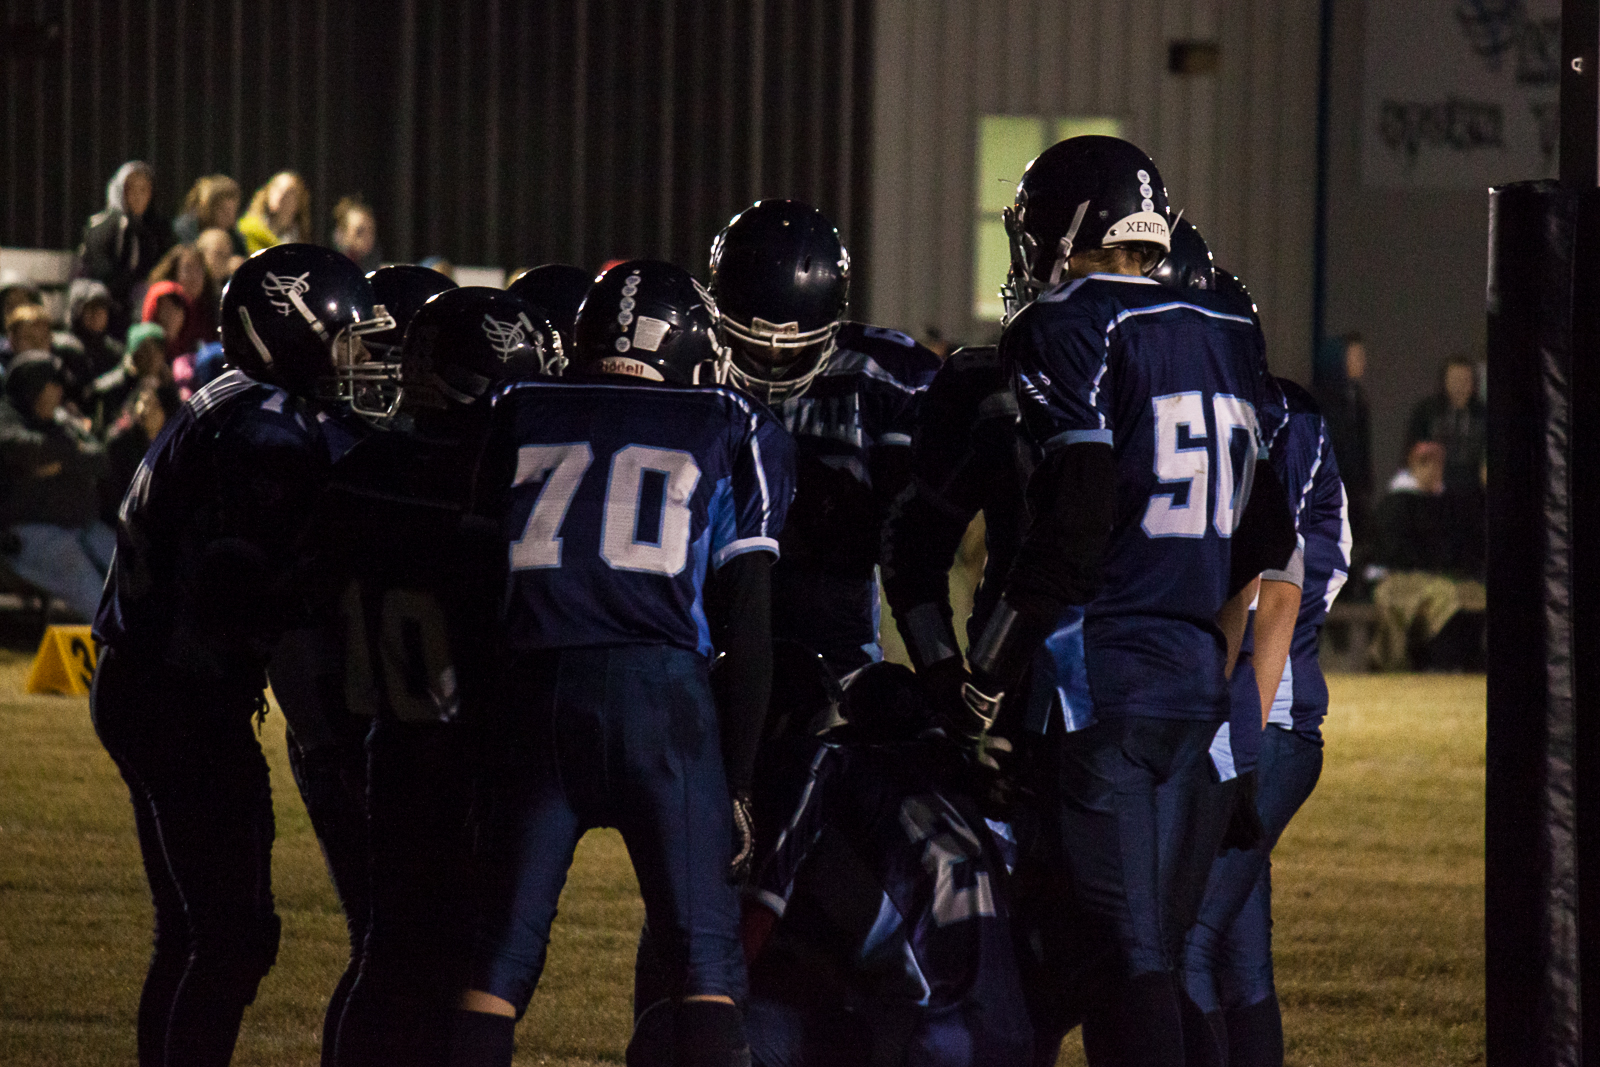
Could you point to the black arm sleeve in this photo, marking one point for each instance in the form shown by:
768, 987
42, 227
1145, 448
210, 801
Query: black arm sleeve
940, 491
1073, 495
739, 602
1265, 539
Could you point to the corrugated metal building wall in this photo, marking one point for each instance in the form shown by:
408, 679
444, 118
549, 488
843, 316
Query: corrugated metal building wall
1237, 147
488, 131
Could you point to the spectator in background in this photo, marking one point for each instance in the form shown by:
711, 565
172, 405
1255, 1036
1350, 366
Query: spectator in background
1456, 418
144, 364
185, 265
280, 213
166, 306
93, 351
1426, 566
124, 241
28, 330
440, 264
53, 469
14, 294
216, 249
355, 233
1336, 375
213, 203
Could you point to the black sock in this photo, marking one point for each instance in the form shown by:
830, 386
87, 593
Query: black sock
711, 1034
1152, 1022
1255, 1034
479, 1039
1205, 1036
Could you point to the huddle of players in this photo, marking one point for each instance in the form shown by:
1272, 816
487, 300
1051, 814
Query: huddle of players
510, 535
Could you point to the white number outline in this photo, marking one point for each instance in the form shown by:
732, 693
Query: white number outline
1231, 413
1163, 518
624, 488
561, 468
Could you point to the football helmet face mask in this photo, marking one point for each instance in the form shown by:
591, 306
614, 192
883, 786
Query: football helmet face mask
296, 316
465, 341
780, 281
1079, 194
373, 388
559, 289
648, 320
1189, 265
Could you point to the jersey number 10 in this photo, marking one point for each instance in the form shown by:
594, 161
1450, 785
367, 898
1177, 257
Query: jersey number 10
1185, 454
639, 477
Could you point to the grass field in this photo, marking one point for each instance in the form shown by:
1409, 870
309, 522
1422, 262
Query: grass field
1379, 899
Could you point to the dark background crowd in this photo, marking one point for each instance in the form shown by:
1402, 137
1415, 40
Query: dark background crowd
88, 391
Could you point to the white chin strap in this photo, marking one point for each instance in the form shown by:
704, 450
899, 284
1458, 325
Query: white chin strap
1065, 251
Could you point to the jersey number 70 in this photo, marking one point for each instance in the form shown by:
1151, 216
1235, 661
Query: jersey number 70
646, 519
1183, 453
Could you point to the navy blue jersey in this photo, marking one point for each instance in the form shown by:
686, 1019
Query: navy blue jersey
931, 929
617, 499
211, 532
853, 428
1173, 385
421, 578
1302, 453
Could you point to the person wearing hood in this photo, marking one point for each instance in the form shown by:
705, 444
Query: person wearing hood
52, 468
122, 243
96, 351
1341, 363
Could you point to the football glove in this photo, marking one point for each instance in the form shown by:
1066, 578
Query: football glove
744, 839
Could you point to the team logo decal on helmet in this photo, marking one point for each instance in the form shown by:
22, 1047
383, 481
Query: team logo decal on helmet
292, 288
274, 333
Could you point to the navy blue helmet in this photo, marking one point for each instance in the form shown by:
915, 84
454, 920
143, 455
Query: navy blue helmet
780, 279
649, 320
1189, 265
465, 341
403, 289
883, 704
1079, 194
296, 315
559, 289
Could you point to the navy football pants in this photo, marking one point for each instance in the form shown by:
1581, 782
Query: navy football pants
327, 755
202, 806
1228, 954
1116, 786
414, 964
624, 737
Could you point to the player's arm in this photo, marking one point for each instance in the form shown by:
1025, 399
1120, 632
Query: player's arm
1277, 610
739, 606
928, 519
1071, 496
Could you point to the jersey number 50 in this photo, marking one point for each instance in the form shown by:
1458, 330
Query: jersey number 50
1185, 454
646, 519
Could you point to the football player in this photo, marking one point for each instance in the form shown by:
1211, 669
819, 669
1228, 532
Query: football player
1228, 952
558, 288
1144, 406
847, 392
326, 741
621, 490
420, 624
886, 899
210, 544
972, 457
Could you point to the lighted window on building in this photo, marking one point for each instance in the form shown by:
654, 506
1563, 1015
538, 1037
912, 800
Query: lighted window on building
1006, 144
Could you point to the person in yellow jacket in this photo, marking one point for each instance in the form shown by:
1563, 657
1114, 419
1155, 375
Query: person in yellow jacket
280, 213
